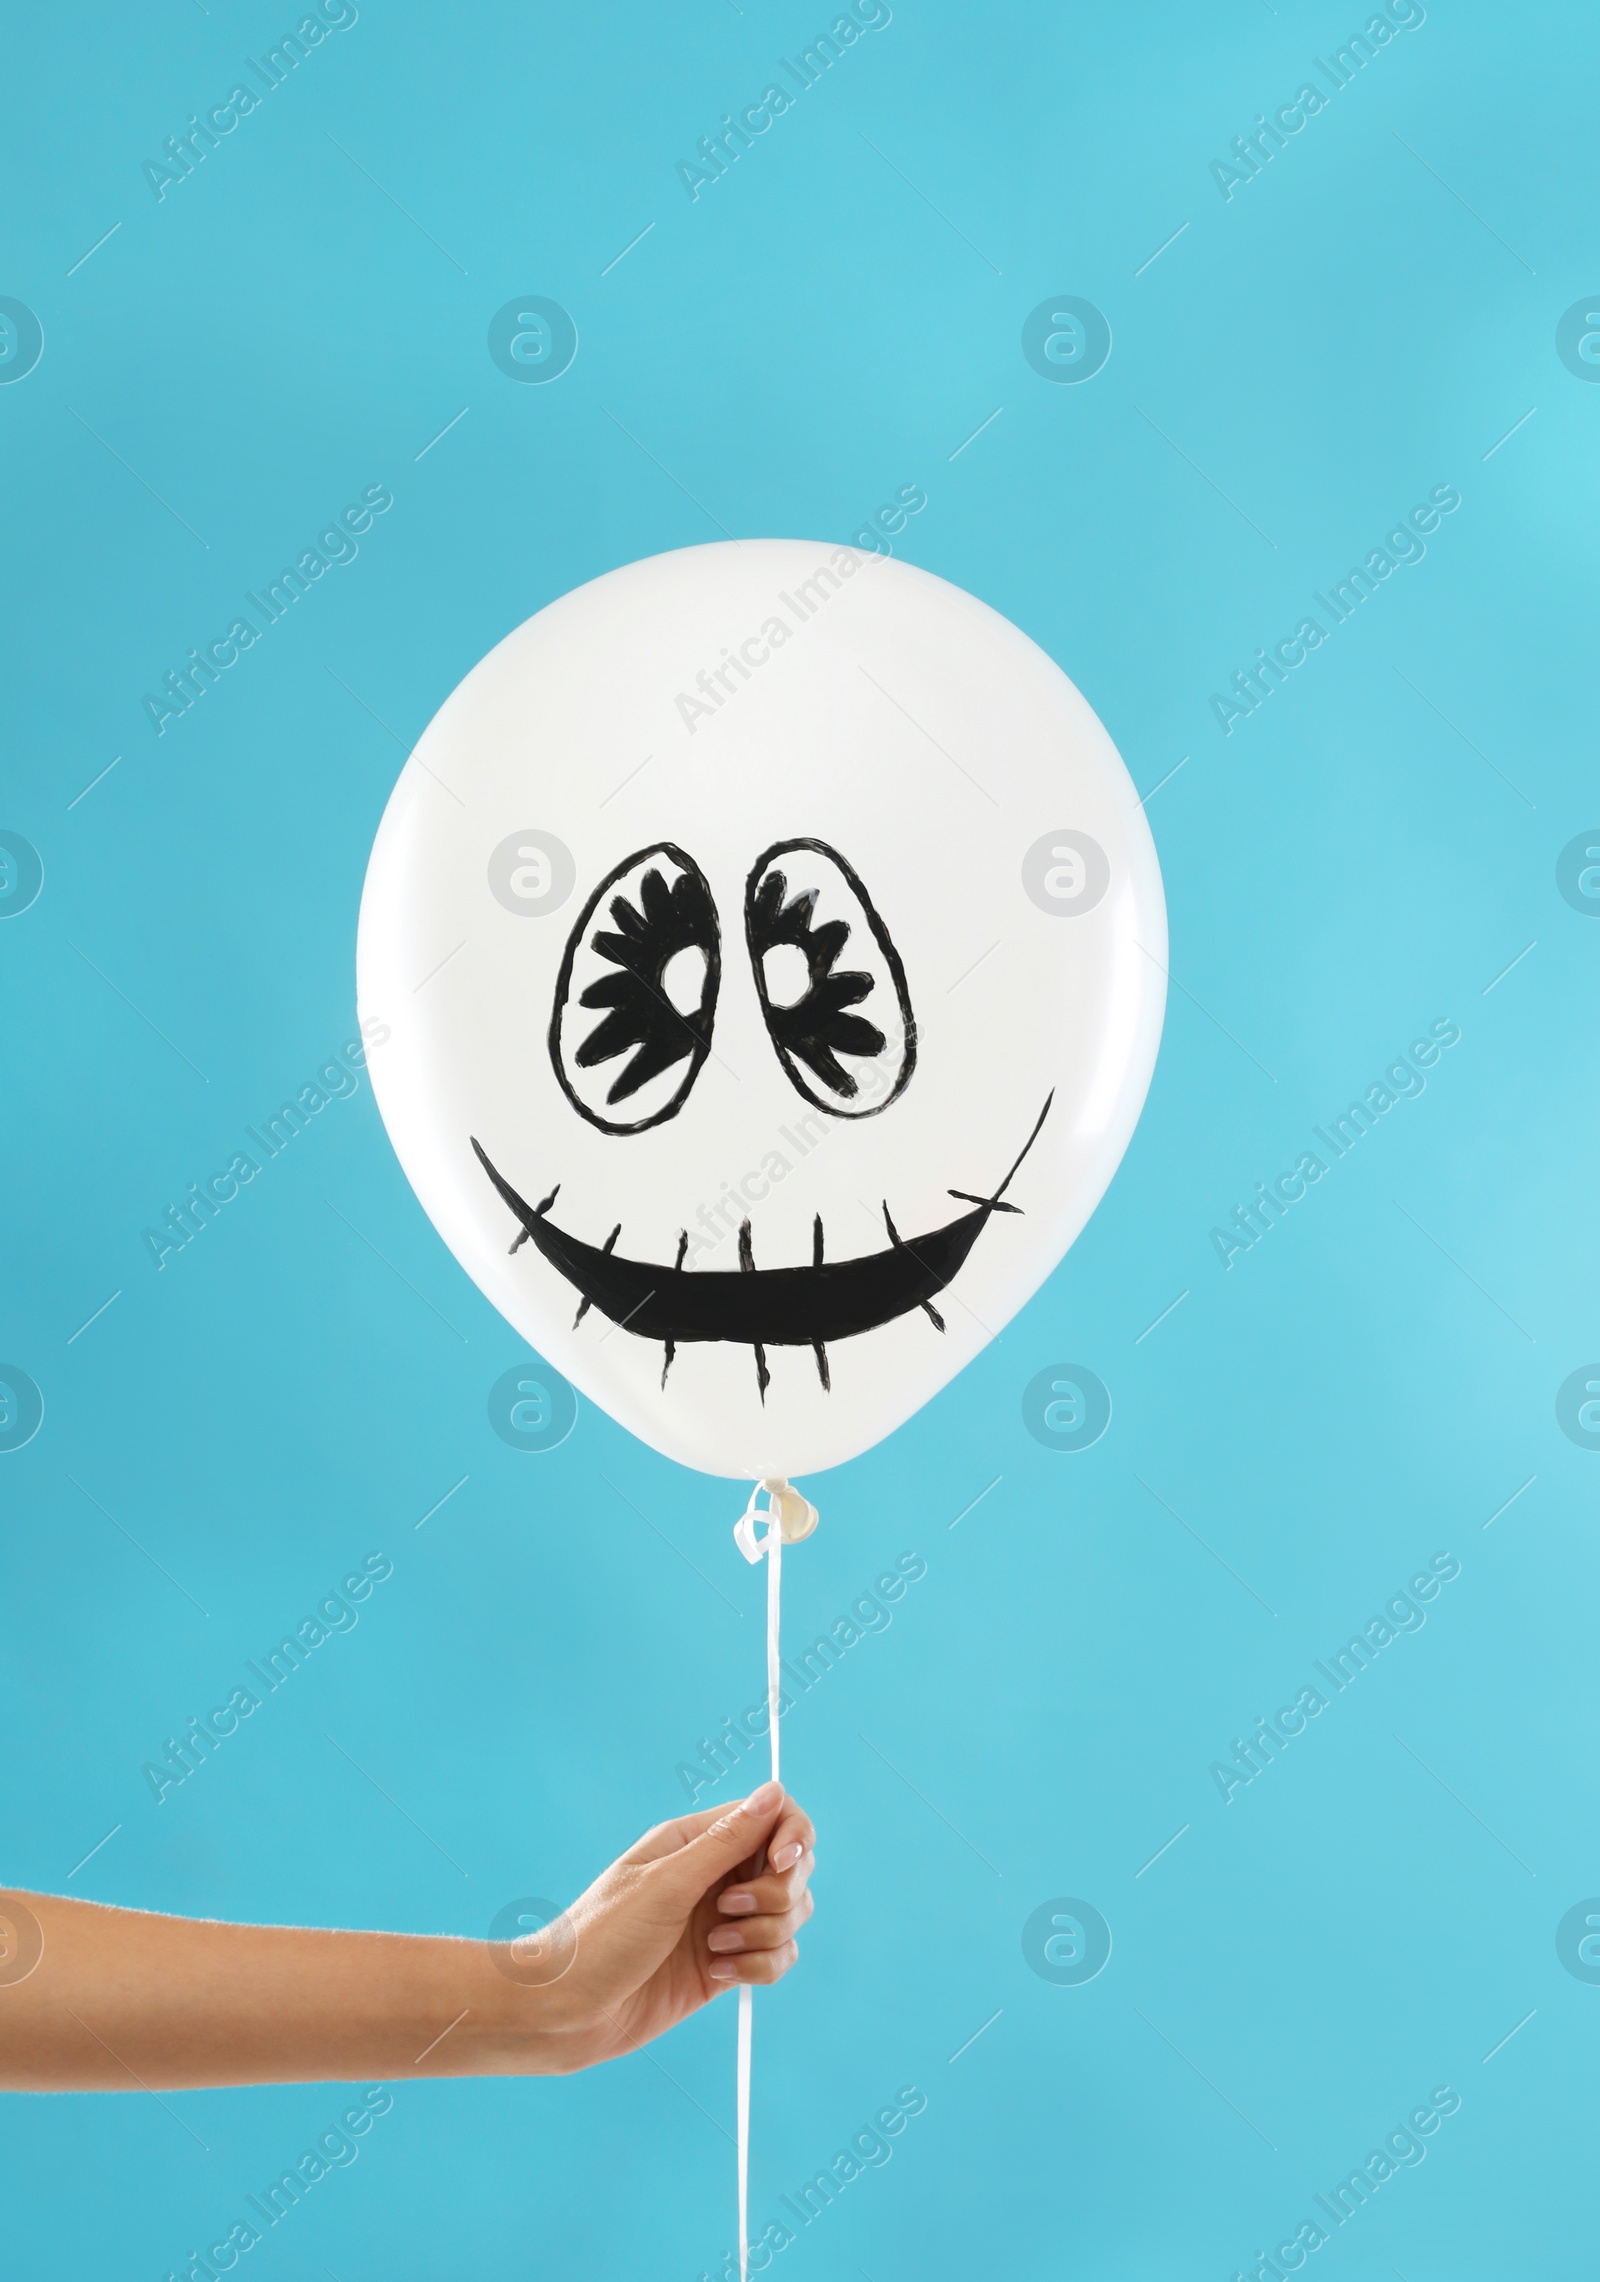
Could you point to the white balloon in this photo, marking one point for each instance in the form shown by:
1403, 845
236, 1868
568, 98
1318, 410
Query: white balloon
773, 950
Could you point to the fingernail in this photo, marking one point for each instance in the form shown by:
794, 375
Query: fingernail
723, 1973
725, 1937
763, 1801
785, 1856
738, 1904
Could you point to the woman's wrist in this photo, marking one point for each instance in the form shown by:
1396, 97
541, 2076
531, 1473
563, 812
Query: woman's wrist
512, 2021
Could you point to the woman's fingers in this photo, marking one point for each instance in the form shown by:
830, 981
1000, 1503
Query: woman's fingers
669, 1837
686, 1876
791, 1837
767, 1895
763, 1969
750, 1936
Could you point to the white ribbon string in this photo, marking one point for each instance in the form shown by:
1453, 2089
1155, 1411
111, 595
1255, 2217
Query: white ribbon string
785, 1513
746, 2018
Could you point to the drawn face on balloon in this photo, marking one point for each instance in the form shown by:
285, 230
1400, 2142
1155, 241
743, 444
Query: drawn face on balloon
772, 950
819, 1017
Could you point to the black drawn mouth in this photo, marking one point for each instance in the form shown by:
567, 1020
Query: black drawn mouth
762, 1307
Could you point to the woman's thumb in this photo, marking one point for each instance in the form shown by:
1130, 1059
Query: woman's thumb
729, 1840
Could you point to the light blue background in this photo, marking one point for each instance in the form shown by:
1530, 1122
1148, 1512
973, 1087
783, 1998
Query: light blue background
1364, 321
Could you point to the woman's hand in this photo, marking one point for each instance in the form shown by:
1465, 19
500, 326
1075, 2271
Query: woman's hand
699, 1905
122, 2000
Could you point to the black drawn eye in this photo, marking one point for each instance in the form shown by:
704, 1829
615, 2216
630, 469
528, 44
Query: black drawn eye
831, 984
637, 992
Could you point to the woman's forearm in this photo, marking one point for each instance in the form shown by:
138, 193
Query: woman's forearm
122, 1999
